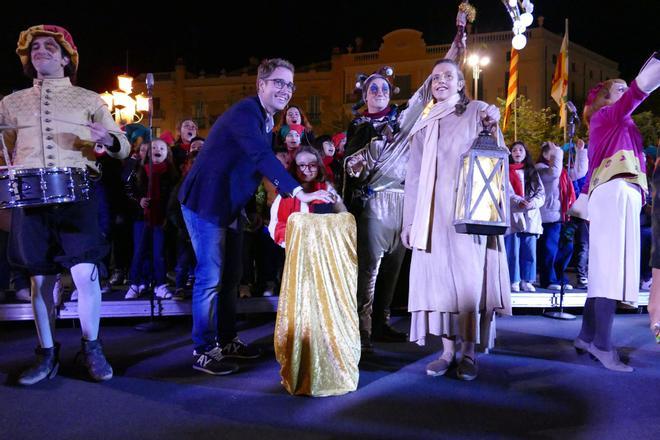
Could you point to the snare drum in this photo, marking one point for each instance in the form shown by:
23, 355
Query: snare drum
43, 186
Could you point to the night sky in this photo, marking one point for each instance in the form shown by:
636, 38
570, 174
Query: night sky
155, 38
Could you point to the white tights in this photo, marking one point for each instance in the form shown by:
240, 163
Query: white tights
86, 278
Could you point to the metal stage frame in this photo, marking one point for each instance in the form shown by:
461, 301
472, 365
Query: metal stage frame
114, 306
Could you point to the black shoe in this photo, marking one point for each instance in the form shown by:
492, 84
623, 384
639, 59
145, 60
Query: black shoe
365, 344
181, 294
212, 362
118, 278
467, 368
45, 366
239, 350
190, 282
91, 357
387, 333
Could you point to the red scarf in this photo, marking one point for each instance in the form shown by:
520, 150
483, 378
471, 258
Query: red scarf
514, 178
327, 162
379, 114
566, 194
153, 214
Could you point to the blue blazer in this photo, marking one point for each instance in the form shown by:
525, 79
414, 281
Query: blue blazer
229, 168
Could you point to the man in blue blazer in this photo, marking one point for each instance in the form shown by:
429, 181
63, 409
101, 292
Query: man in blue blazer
225, 175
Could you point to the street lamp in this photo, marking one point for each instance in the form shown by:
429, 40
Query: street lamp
477, 62
123, 105
520, 12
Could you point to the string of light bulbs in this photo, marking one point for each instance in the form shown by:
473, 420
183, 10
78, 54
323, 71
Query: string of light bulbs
521, 16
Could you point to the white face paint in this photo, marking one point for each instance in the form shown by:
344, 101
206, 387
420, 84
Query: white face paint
378, 95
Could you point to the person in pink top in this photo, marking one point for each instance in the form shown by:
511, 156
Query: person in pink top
616, 185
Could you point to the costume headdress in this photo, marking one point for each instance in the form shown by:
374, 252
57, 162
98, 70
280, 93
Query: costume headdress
61, 35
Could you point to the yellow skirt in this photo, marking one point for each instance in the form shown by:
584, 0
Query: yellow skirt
317, 337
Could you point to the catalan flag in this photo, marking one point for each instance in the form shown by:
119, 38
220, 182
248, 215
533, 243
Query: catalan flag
512, 89
560, 79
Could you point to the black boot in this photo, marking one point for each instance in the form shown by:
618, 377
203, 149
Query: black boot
45, 366
387, 333
365, 343
92, 358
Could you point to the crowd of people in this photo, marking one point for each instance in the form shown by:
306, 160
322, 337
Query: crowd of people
218, 213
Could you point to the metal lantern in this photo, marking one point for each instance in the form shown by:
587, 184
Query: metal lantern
481, 203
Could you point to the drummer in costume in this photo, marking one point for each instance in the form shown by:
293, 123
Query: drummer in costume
58, 125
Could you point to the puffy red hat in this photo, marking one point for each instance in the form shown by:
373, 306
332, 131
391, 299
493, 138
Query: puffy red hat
61, 35
291, 127
338, 137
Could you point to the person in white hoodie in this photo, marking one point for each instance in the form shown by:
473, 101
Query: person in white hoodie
527, 197
556, 244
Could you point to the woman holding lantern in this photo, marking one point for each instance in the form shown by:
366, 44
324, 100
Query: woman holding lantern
457, 281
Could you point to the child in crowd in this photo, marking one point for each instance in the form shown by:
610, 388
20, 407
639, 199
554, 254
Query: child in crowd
294, 116
527, 196
327, 149
151, 188
309, 171
317, 339
292, 135
185, 259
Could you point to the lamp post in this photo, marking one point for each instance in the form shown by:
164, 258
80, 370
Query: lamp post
126, 108
522, 18
477, 61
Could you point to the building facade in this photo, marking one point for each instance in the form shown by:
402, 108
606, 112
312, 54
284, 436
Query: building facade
325, 90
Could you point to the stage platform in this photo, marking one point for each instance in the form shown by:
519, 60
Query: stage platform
114, 306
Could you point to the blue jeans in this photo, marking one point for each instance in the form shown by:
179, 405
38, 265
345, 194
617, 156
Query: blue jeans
521, 256
143, 249
556, 250
217, 274
580, 246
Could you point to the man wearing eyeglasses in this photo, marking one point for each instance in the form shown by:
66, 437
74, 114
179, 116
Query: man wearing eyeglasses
235, 157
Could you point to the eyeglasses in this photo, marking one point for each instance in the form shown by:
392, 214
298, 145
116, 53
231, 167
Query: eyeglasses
308, 166
280, 84
373, 89
441, 76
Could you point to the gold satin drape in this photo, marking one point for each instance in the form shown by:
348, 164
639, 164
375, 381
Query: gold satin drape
317, 338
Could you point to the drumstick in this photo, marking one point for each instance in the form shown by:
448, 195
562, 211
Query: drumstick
80, 124
14, 127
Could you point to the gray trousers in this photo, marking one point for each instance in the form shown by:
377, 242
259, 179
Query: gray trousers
380, 254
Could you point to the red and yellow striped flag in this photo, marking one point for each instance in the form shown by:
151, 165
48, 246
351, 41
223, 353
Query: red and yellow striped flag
560, 79
512, 89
